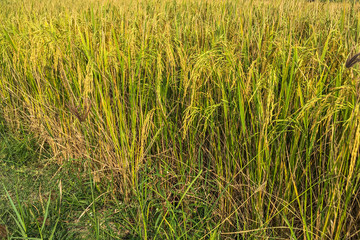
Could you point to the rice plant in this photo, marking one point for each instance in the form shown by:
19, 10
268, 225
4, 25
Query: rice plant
219, 119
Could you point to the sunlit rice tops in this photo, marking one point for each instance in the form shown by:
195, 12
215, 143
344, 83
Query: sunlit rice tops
241, 106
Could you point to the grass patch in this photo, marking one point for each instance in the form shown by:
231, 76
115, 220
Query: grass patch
48, 201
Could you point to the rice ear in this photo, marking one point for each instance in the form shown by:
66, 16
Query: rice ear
351, 61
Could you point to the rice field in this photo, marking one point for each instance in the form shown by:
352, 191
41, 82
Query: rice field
214, 119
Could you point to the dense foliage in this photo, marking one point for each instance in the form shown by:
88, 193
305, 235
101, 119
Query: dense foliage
237, 117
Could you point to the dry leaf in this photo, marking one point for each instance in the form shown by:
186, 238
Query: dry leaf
3, 232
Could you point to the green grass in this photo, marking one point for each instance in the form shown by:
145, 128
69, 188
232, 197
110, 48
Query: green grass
183, 119
40, 199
